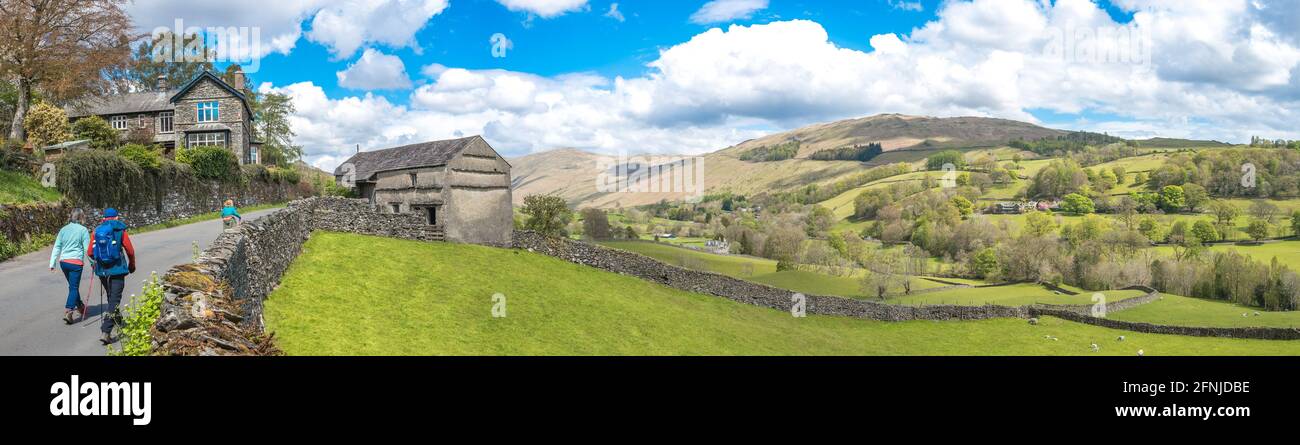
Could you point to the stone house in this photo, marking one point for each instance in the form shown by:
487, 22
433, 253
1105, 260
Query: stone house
462, 185
205, 111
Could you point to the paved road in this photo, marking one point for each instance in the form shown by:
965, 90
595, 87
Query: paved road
31, 296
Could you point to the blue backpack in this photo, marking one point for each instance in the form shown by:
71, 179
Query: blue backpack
108, 245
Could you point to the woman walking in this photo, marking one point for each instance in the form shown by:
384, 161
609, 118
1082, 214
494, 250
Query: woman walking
69, 253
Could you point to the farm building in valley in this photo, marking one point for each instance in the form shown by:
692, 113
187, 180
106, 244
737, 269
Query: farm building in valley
462, 185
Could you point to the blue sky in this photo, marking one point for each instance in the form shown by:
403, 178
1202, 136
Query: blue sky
691, 76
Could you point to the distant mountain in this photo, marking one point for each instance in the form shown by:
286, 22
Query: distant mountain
572, 174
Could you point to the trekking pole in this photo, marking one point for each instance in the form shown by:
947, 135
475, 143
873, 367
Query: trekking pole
84, 306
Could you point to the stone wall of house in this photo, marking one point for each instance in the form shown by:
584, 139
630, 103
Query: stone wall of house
231, 113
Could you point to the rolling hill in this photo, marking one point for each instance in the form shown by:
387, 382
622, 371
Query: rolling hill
572, 174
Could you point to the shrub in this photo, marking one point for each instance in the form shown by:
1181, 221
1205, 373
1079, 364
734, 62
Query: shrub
285, 175
139, 318
95, 129
46, 125
547, 214
101, 178
148, 158
212, 163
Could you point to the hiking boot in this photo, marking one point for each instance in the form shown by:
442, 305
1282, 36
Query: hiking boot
106, 339
81, 307
67, 316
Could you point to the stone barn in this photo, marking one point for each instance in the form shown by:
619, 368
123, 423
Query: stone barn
461, 185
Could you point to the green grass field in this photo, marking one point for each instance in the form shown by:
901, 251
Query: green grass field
437, 299
20, 188
1013, 295
1286, 252
1185, 311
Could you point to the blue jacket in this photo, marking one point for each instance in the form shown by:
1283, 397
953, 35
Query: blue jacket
227, 212
71, 244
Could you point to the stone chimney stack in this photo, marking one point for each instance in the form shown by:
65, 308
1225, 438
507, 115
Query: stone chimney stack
162, 82
240, 80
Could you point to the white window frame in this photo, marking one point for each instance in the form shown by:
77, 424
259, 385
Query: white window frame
212, 109
166, 122
119, 122
211, 139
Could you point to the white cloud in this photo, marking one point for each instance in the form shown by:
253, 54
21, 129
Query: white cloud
279, 23
544, 8
998, 58
907, 5
614, 13
347, 26
375, 71
719, 11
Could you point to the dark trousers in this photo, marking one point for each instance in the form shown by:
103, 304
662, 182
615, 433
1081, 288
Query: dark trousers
72, 273
114, 287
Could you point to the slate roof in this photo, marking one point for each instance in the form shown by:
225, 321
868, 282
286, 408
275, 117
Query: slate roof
130, 103
424, 154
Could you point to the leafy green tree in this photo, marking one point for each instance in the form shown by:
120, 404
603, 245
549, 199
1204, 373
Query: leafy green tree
47, 125
1258, 229
1205, 231
985, 263
963, 205
1039, 224
1224, 212
95, 129
1172, 198
938, 160
1196, 196
1078, 204
273, 129
1151, 229
1295, 223
548, 215
160, 57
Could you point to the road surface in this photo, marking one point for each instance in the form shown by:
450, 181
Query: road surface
32, 297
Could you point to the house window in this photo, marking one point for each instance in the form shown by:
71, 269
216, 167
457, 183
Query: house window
397, 207
209, 111
119, 122
433, 215
252, 155
165, 122
414, 182
206, 140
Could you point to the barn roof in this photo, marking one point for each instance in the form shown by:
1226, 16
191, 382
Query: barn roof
424, 154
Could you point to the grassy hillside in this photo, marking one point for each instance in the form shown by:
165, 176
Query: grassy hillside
436, 299
1185, 311
20, 188
1013, 295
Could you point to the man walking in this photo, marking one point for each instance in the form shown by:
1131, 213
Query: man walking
114, 258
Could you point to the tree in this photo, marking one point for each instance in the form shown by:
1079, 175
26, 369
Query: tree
1224, 212
784, 244
1261, 209
1195, 196
1060, 178
1258, 229
1039, 224
938, 160
595, 224
1151, 229
547, 214
963, 205
62, 48
1205, 231
95, 129
47, 125
1078, 204
1295, 223
1172, 198
273, 129
985, 263
883, 267
158, 56
819, 220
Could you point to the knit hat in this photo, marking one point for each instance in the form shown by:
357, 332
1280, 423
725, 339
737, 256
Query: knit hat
110, 213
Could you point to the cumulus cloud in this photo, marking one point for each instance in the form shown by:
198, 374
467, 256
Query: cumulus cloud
375, 71
1206, 70
544, 8
279, 23
347, 26
720, 11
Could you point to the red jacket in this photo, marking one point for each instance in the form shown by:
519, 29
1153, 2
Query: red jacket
126, 244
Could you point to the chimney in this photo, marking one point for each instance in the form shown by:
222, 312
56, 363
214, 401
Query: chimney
239, 80
162, 82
